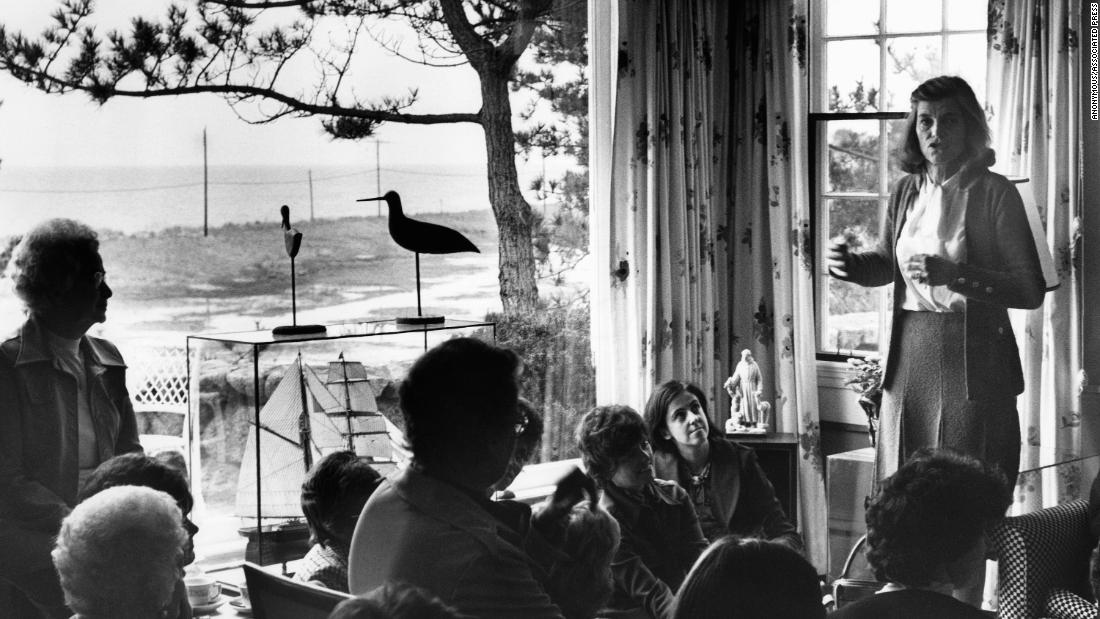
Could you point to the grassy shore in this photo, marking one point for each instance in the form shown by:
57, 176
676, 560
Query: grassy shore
178, 281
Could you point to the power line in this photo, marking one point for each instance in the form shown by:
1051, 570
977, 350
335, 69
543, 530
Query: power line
229, 183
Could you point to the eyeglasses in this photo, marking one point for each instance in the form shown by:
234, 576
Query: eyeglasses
99, 277
521, 425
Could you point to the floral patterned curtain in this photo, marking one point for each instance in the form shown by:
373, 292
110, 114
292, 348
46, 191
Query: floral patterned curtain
1034, 109
709, 225
769, 232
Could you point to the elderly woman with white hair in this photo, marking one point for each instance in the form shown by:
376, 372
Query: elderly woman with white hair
120, 555
64, 407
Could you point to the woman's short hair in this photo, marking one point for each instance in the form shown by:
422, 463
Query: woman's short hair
656, 413
931, 512
118, 553
333, 495
455, 392
137, 469
750, 579
395, 600
605, 435
944, 88
49, 258
581, 584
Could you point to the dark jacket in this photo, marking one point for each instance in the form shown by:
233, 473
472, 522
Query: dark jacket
661, 540
38, 486
742, 495
909, 604
1001, 271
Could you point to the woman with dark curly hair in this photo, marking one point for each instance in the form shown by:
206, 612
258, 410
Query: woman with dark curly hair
661, 538
729, 490
957, 245
926, 533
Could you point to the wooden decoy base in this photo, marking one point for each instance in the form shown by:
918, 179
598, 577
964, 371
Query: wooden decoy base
419, 320
298, 330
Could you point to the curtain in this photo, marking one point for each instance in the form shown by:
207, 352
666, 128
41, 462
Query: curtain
1034, 109
708, 243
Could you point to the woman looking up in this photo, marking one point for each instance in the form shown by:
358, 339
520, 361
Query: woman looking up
729, 490
958, 248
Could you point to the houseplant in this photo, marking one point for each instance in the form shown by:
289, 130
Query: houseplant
866, 380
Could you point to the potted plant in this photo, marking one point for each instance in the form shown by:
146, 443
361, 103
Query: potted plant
866, 380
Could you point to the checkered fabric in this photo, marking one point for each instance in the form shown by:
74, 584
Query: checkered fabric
1063, 604
1038, 552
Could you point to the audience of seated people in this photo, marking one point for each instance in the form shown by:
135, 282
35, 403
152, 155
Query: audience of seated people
730, 492
120, 554
433, 526
750, 579
332, 498
395, 601
926, 536
661, 538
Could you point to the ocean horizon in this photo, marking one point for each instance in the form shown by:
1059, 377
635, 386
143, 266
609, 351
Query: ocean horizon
149, 199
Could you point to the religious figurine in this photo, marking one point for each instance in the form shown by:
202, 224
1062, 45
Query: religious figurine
748, 413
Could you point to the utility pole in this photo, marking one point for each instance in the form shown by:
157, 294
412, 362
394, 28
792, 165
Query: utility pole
205, 189
310, 196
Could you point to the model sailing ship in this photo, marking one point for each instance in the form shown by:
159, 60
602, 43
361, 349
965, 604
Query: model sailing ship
304, 419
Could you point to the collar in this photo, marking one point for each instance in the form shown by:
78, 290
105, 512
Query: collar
631, 503
964, 178
34, 347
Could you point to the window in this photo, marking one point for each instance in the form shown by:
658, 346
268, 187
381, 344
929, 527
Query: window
868, 56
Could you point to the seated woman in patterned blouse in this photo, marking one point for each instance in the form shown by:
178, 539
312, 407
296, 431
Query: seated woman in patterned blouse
332, 497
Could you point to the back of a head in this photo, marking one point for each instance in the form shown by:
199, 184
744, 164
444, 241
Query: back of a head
454, 392
605, 435
118, 553
395, 601
137, 469
750, 579
931, 512
582, 584
333, 495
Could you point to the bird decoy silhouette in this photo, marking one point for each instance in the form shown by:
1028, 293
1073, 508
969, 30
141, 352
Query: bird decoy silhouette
292, 240
420, 237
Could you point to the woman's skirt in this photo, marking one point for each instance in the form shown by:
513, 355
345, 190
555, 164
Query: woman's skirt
925, 403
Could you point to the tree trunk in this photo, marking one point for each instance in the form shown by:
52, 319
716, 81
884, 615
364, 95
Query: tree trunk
518, 291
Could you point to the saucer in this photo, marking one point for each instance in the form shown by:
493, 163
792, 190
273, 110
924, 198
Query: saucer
242, 607
210, 606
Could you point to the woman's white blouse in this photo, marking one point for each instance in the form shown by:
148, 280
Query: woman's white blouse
935, 224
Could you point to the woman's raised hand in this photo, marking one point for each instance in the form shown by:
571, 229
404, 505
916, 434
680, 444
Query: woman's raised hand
836, 259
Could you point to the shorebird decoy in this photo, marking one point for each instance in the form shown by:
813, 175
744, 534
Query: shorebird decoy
420, 237
292, 240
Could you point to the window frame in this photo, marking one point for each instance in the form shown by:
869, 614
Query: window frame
818, 120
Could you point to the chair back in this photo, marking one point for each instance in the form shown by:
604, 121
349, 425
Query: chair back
277, 597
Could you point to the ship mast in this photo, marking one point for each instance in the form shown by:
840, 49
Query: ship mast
347, 402
304, 431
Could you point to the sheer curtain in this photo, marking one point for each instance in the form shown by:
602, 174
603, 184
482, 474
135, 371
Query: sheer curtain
703, 243
1034, 109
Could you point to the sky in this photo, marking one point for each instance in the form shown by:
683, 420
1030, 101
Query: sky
37, 129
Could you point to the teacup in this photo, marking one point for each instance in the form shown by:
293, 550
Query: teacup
244, 595
201, 590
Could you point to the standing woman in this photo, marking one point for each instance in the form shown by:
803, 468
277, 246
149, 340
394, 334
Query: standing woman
958, 248
730, 491
64, 407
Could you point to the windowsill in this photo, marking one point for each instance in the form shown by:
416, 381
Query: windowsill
538, 481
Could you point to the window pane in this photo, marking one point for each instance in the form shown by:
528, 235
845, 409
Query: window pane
909, 61
847, 17
909, 16
853, 155
853, 318
896, 130
967, 14
856, 220
852, 76
966, 57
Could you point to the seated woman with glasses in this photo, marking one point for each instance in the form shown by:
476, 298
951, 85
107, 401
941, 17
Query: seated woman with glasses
729, 490
661, 538
332, 498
